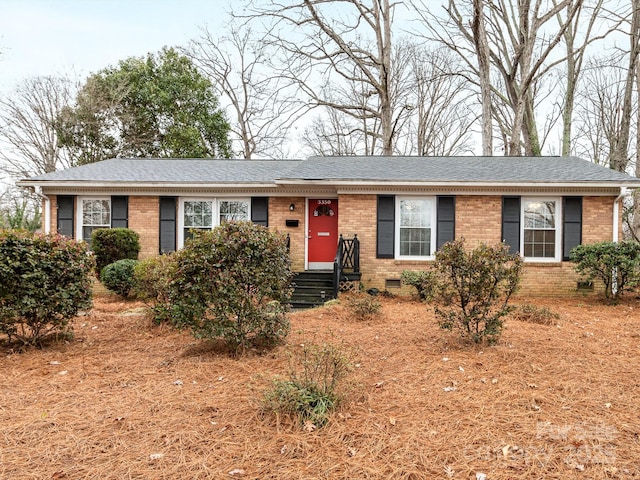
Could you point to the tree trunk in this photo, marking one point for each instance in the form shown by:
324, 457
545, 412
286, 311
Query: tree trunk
482, 51
620, 155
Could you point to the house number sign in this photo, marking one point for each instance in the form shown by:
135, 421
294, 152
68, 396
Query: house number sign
324, 202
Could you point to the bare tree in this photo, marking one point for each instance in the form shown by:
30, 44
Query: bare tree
577, 37
481, 44
520, 43
28, 126
598, 112
329, 43
634, 224
620, 151
262, 105
432, 105
440, 105
333, 134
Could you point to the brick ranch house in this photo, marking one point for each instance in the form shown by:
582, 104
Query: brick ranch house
401, 208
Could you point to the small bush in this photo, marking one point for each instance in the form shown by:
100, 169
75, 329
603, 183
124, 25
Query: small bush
617, 265
233, 283
112, 244
44, 282
422, 281
152, 280
310, 392
532, 314
362, 306
472, 288
119, 276
153, 276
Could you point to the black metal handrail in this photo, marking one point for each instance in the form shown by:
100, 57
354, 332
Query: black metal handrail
347, 258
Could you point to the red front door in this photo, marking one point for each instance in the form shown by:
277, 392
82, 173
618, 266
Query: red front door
322, 233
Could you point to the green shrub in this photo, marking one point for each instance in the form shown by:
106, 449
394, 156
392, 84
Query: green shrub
532, 314
233, 282
422, 281
44, 282
112, 244
119, 276
152, 281
362, 306
617, 265
472, 288
310, 392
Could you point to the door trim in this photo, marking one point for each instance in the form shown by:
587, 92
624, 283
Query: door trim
314, 265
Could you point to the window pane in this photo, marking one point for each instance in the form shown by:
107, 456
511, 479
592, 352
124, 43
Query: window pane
415, 241
197, 214
540, 214
539, 243
415, 213
96, 213
233, 210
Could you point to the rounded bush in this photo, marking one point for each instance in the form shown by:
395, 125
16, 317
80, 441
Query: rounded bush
119, 276
44, 282
112, 244
617, 265
233, 283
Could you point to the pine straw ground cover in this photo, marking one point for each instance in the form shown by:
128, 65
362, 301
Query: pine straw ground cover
127, 399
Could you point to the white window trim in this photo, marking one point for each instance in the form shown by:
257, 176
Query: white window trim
80, 212
396, 247
558, 236
215, 211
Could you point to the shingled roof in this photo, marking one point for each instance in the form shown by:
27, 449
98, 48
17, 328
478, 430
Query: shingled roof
341, 171
455, 170
171, 170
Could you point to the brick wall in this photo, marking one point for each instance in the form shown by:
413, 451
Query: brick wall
597, 219
144, 218
478, 219
278, 214
53, 223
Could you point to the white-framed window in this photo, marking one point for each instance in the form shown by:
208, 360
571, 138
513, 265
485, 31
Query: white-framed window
541, 233
415, 229
94, 213
207, 213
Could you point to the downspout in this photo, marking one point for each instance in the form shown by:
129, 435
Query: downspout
47, 209
616, 214
616, 232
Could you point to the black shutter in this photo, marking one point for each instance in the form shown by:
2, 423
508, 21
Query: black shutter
167, 224
386, 226
66, 215
260, 211
572, 227
446, 229
119, 212
511, 223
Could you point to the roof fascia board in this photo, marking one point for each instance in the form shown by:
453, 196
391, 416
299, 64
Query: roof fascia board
450, 185
131, 185
494, 191
179, 192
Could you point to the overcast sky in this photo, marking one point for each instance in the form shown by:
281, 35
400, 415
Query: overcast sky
49, 37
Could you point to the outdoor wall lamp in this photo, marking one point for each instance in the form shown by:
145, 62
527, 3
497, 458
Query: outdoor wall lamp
292, 207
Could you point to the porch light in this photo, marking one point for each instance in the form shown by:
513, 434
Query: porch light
292, 207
